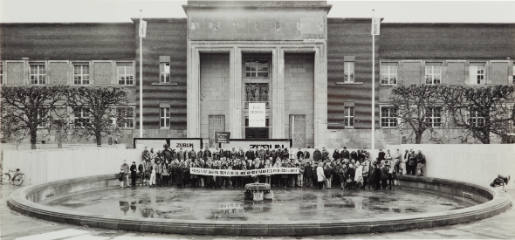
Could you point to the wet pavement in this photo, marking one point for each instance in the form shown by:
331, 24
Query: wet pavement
16, 226
229, 205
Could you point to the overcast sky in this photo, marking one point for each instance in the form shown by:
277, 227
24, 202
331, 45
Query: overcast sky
123, 10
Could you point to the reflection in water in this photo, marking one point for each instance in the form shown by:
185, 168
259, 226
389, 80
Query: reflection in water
229, 205
124, 207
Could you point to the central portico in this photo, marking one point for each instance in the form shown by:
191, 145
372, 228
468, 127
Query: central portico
273, 53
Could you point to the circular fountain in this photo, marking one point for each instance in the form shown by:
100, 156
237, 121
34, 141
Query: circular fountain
418, 202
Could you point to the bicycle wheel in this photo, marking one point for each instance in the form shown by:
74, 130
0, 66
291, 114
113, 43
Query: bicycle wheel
18, 180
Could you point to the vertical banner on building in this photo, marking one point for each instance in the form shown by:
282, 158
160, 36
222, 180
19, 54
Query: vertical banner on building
376, 26
257, 114
143, 29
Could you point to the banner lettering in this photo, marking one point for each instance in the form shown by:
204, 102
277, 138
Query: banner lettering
239, 173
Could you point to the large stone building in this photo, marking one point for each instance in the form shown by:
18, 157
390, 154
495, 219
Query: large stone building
312, 73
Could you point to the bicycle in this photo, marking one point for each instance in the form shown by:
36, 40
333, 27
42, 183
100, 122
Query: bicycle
15, 177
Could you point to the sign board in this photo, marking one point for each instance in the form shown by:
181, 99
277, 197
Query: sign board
376, 26
237, 173
250, 144
185, 143
222, 137
175, 143
257, 114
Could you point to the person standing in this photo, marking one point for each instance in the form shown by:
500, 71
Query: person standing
320, 175
412, 162
134, 174
317, 155
345, 154
328, 175
421, 162
300, 177
336, 154
307, 174
380, 156
152, 180
124, 174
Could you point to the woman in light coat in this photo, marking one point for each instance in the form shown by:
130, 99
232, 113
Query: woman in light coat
320, 176
152, 180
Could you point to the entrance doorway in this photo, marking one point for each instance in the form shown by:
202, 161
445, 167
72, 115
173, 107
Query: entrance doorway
256, 132
216, 124
298, 130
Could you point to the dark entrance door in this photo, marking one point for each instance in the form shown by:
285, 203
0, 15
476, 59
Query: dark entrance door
256, 133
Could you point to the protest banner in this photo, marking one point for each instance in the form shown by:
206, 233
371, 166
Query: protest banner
241, 173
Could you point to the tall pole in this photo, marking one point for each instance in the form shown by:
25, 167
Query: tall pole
372, 133
140, 76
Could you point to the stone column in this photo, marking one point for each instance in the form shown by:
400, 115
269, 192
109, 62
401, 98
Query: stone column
278, 111
320, 96
193, 93
235, 98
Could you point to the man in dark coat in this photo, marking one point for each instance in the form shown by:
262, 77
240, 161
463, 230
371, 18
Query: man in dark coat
354, 155
317, 155
345, 154
134, 174
308, 174
381, 155
167, 153
336, 154
250, 154
206, 154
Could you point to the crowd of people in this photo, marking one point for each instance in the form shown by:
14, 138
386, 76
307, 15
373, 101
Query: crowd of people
342, 168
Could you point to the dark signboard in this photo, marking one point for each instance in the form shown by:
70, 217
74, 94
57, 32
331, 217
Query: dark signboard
222, 137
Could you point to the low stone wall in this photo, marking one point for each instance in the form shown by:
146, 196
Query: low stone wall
29, 200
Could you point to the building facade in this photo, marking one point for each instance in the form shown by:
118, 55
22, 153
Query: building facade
310, 75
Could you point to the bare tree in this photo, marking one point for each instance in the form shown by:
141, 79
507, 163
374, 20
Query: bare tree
93, 109
25, 109
482, 111
414, 102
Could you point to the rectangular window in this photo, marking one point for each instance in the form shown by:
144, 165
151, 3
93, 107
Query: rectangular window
37, 73
348, 116
476, 119
81, 117
257, 69
388, 117
256, 92
477, 73
433, 73
389, 73
164, 72
81, 73
125, 71
348, 71
125, 117
434, 116
165, 117
43, 117
513, 75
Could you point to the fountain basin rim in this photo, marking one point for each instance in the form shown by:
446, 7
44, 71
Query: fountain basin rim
498, 203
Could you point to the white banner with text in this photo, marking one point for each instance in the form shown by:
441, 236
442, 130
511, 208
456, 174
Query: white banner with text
240, 173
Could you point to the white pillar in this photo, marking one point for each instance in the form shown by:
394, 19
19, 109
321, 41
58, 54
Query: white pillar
278, 108
235, 96
320, 96
193, 93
